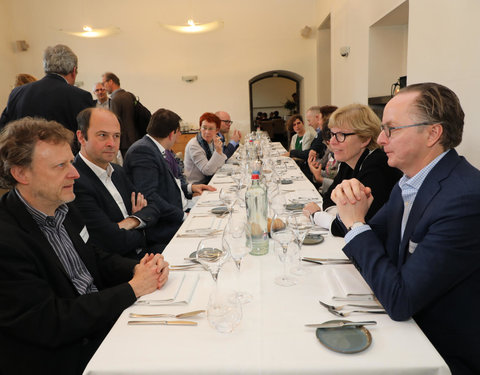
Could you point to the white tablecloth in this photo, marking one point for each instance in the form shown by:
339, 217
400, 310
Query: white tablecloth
271, 338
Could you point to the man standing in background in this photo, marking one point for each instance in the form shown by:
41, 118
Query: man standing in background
103, 101
54, 97
123, 105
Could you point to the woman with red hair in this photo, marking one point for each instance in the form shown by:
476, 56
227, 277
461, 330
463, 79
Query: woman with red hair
204, 153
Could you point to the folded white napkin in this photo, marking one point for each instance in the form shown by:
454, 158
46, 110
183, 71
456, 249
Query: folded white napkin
178, 290
198, 223
347, 284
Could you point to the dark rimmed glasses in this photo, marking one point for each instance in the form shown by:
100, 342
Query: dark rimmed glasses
339, 136
229, 122
388, 129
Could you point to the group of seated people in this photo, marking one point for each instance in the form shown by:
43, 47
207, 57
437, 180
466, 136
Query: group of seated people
81, 237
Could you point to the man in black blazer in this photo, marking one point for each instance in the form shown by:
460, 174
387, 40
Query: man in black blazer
59, 295
116, 216
146, 165
53, 97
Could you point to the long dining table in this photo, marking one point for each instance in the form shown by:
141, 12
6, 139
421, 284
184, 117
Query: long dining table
272, 337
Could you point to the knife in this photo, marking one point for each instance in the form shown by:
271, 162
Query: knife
341, 324
162, 322
327, 262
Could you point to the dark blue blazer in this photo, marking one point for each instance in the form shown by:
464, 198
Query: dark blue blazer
228, 149
101, 213
148, 170
51, 98
439, 283
42, 313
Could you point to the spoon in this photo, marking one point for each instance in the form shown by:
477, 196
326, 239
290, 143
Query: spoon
178, 316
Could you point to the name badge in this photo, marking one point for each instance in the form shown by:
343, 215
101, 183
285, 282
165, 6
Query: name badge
412, 246
84, 234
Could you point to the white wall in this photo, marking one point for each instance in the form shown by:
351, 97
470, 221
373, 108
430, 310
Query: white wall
7, 56
443, 41
258, 36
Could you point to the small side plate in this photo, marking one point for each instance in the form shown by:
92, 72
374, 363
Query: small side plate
294, 206
313, 239
347, 340
219, 210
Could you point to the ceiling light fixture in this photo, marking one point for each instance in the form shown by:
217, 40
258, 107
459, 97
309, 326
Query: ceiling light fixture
195, 28
89, 32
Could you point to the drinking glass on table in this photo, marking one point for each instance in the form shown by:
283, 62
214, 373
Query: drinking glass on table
236, 239
283, 234
228, 197
224, 311
211, 255
301, 226
237, 177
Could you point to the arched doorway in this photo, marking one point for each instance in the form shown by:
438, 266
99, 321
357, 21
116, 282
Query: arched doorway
270, 92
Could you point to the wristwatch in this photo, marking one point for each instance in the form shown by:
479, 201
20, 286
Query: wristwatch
355, 225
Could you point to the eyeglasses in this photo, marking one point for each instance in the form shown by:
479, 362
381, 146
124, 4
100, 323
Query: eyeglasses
102, 89
388, 129
229, 122
207, 129
339, 136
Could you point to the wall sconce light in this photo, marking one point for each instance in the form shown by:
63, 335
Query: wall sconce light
189, 79
344, 51
306, 31
400, 84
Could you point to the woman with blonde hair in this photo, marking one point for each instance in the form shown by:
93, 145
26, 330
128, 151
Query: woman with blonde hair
353, 132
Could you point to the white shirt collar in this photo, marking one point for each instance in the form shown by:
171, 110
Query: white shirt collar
99, 172
160, 147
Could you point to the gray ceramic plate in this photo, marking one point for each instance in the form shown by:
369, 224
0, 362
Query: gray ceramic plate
219, 210
346, 340
313, 239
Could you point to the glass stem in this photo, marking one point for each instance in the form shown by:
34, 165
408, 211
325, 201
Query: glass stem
285, 249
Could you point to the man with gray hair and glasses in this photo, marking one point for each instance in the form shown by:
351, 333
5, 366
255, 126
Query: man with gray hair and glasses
54, 97
420, 253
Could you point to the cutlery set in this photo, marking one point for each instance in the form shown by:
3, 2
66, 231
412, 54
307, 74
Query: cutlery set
335, 310
165, 322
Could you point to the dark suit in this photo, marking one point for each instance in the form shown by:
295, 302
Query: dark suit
122, 104
46, 327
229, 148
148, 170
51, 98
101, 213
439, 283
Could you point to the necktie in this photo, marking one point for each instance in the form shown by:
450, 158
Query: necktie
172, 163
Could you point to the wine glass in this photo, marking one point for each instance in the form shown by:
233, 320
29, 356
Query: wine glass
237, 177
224, 311
211, 255
228, 197
283, 234
300, 225
236, 239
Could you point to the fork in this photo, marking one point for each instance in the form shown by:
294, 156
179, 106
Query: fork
337, 308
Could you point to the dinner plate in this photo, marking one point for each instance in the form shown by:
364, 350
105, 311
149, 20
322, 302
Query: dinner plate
294, 206
313, 239
219, 210
347, 340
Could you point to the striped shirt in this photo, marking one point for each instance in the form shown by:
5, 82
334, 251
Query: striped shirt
56, 234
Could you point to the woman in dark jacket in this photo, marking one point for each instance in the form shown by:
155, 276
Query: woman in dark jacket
353, 133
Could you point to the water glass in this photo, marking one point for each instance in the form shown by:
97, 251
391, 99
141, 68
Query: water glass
224, 311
